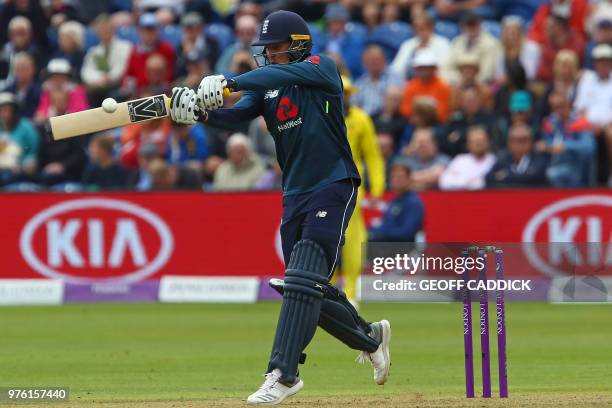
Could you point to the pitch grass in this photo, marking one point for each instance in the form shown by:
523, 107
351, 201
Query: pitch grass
196, 355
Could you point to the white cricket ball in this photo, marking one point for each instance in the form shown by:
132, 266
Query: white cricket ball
109, 105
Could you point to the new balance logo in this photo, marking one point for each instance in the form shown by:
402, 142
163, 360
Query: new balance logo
271, 94
321, 214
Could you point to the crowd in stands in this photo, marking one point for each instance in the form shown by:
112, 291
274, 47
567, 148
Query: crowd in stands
467, 94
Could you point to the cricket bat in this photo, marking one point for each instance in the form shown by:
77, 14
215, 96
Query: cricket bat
97, 120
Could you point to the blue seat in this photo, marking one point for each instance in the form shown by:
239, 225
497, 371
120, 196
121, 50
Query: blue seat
446, 29
319, 39
357, 30
128, 33
391, 37
492, 27
222, 33
91, 38
172, 34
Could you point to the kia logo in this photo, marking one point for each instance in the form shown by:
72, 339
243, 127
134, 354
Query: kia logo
96, 239
566, 223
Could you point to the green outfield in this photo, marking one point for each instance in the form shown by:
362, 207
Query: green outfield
213, 355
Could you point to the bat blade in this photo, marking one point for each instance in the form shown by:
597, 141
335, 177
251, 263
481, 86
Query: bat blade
96, 120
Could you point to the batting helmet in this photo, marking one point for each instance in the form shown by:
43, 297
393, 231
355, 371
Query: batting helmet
285, 26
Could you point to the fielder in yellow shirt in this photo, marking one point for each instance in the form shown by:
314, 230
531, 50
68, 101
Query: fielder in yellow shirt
366, 153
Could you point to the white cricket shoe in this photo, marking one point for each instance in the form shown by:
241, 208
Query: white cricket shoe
381, 358
272, 391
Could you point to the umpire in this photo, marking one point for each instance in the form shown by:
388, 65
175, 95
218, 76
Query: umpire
301, 99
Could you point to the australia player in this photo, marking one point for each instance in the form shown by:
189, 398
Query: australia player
300, 98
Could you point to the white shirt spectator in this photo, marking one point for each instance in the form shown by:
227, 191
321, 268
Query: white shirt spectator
485, 46
529, 57
466, 172
100, 58
594, 97
437, 45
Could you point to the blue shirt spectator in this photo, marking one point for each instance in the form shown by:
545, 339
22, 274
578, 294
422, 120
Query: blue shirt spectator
340, 42
187, 144
403, 218
24, 86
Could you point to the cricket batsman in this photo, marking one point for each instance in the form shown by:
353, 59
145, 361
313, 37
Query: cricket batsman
300, 97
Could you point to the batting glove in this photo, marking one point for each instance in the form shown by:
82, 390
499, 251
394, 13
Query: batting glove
210, 92
183, 106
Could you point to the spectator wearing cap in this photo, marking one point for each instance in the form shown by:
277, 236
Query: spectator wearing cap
567, 138
187, 146
426, 82
575, 11
196, 42
517, 47
598, 11
25, 86
71, 39
521, 112
60, 161
594, 100
475, 40
467, 171
468, 67
602, 34
559, 37
242, 169
371, 86
425, 159
390, 120
149, 44
102, 171
196, 67
404, 216
106, 63
18, 141
168, 177
59, 77
519, 165
32, 11
246, 33
424, 40
20, 35
469, 115
339, 42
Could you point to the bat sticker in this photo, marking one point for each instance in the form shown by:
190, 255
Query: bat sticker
147, 108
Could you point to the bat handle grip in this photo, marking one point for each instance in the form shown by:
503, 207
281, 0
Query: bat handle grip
226, 92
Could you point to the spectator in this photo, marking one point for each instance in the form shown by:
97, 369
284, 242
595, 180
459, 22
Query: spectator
150, 43
371, 86
102, 171
261, 140
453, 10
106, 63
59, 78
426, 82
71, 41
18, 142
387, 149
140, 178
196, 67
30, 10
519, 165
347, 45
567, 139
474, 40
187, 146
165, 177
469, 115
20, 40
516, 47
63, 160
242, 62
468, 67
594, 100
25, 86
272, 178
155, 69
424, 116
574, 10
404, 215
370, 14
467, 171
426, 162
566, 71
196, 42
390, 120
61, 11
424, 40
559, 36
134, 136
515, 79
601, 35
521, 113
242, 169
246, 33
600, 11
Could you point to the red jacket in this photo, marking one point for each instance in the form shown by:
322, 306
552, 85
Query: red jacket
578, 13
137, 63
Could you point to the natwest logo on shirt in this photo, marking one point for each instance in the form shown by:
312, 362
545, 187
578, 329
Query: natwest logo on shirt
96, 239
287, 112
